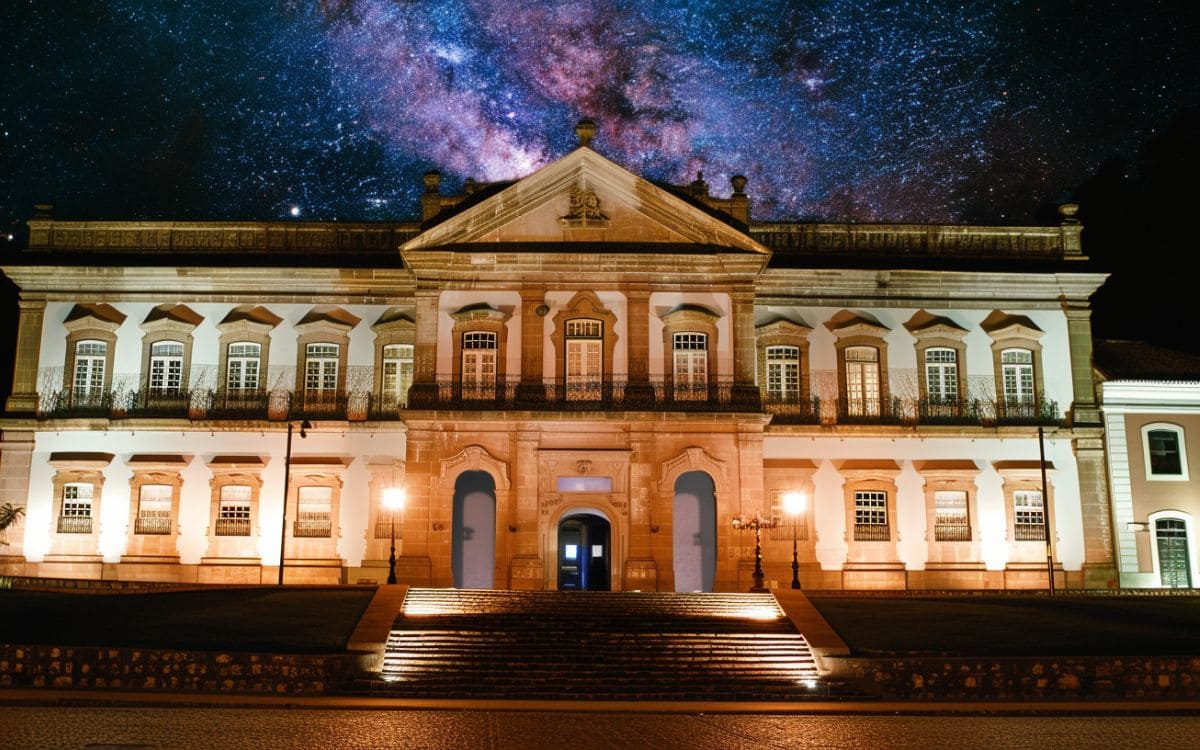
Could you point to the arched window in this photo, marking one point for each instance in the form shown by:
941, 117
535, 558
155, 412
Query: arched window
479, 364
88, 378
584, 358
1164, 451
243, 367
783, 372
690, 356
1016, 368
320, 370
941, 375
397, 373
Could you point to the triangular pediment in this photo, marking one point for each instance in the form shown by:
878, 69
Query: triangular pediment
584, 197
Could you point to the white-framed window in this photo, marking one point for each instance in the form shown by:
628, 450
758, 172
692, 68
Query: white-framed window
690, 350
862, 381
871, 516
88, 378
1029, 516
941, 375
243, 366
951, 522
1164, 450
1016, 368
479, 364
233, 511
397, 373
321, 369
783, 372
76, 514
585, 358
314, 512
154, 509
166, 366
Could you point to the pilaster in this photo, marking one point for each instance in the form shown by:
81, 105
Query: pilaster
532, 341
424, 390
1099, 561
24, 398
745, 358
1084, 409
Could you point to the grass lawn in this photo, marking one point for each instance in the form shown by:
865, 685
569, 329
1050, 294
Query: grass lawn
268, 619
1064, 625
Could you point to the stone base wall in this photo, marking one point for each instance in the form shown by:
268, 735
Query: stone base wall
1022, 678
171, 670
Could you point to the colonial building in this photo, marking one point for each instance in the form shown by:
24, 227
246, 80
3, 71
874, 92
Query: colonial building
1151, 402
581, 379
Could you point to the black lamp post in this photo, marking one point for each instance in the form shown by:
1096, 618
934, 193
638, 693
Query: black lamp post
287, 475
758, 523
393, 500
793, 503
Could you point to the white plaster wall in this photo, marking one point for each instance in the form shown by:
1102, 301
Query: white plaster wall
196, 494
829, 503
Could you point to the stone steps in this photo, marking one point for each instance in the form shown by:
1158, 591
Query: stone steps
548, 645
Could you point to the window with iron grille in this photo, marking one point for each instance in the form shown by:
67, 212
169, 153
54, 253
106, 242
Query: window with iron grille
76, 514
154, 509
166, 366
783, 372
870, 516
313, 516
233, 511
951, 522
1029, 516
783, 530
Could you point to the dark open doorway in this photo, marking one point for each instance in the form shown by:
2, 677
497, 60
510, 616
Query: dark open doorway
584, 553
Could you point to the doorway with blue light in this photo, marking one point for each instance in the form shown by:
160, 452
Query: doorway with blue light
584, 552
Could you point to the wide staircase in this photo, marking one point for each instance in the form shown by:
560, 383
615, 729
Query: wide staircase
550, 645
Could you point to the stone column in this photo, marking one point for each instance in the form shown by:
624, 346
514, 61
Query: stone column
638, 390
531, 388
24, 398
424, 390
415, 566
1099, 560
526, 570
641, 572
745, 359
16, 456
1084, 410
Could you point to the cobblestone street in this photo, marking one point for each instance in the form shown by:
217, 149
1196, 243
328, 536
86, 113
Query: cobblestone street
34, 728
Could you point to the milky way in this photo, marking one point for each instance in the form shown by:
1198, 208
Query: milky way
917, 111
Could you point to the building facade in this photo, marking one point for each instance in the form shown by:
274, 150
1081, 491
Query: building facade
1151, 403
581, 379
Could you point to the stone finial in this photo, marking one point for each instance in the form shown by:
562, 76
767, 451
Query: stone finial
739, 183
433, 181
699, 187
1067, 211
42, 210
585, 130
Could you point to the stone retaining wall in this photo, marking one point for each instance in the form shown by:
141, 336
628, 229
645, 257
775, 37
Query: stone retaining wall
172, 670
1022, 678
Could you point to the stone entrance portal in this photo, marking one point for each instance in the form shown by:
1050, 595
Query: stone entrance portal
584, 552
473, 544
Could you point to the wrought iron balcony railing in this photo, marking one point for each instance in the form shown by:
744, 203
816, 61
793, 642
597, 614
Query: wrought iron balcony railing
312, 528
232, 527
158, 402
151, 525
792, 409
1029, 532
238, 403
872, 532
74, 524
951, 532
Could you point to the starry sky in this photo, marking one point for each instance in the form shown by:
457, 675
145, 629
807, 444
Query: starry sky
840, 110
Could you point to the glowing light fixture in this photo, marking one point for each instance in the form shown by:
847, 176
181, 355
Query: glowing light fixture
393, 499
793, 505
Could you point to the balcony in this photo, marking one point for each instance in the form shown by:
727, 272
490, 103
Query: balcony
312, 528
158, 402
232, 527
1029, 532
238, 403
869, 411
656, 393
951, 532
151, 525
872, 532
74, 524
1032, 412
792, 409
69, 403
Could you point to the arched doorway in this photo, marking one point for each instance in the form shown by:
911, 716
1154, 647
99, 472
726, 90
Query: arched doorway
584, 552
694, 539
473, 541
1174, 562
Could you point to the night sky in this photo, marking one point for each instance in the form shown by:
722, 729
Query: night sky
868, 111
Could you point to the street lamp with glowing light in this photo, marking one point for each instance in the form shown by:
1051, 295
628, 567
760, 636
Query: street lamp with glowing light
393, 500
793, 505
287, 475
